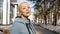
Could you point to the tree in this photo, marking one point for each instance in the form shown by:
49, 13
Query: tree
45, 10
56, 12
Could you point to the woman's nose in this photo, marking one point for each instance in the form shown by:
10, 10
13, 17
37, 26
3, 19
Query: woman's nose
27, 9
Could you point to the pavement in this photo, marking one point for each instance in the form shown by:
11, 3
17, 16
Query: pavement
51, 27
41, 30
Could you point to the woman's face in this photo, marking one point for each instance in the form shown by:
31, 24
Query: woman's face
25, 9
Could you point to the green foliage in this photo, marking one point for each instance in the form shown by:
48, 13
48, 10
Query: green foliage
59, 2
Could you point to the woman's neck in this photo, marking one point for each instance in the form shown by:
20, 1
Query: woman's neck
25, 18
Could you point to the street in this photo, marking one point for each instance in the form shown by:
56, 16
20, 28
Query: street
40, 30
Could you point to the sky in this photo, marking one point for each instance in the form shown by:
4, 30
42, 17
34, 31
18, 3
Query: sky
30, 3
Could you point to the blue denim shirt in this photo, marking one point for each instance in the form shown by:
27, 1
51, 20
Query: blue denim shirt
19, 27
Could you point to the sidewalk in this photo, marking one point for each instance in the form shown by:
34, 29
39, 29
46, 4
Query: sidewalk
51, 27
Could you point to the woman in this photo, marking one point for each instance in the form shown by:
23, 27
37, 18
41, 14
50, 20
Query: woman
22, 25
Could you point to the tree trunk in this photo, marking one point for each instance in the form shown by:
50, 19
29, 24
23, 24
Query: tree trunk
55, 13
45, 18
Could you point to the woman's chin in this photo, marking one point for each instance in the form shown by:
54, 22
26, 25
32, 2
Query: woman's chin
27, 15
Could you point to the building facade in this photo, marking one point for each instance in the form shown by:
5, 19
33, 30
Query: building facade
8, 11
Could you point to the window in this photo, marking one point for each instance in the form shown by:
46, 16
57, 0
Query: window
1, 11
11, 13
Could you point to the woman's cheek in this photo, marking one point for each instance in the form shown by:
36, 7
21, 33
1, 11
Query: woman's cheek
23, 13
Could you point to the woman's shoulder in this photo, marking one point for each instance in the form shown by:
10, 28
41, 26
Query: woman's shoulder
19, 20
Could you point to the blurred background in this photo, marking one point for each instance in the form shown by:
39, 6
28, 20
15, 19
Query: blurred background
45, 12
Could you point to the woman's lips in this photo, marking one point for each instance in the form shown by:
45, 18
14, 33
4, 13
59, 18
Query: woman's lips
27, 12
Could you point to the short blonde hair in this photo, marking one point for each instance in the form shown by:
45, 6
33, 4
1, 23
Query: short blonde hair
19, 6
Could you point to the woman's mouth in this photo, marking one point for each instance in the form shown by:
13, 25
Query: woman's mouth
27, 12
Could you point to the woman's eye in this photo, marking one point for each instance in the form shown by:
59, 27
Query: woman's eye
28, 7
23, 8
